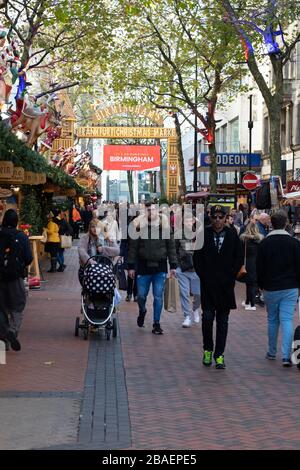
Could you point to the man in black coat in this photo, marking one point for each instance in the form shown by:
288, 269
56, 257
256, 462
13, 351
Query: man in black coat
217, 264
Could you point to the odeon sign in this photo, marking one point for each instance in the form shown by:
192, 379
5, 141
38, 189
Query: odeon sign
232, 159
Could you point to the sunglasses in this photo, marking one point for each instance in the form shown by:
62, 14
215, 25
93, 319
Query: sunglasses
217, 217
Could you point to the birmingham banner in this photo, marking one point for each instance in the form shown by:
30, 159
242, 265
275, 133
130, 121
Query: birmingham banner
131, 157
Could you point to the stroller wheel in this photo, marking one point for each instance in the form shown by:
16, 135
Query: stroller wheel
115, 329
85, 332
77, 321
107, 334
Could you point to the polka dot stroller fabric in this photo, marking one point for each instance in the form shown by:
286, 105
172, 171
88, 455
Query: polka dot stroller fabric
99, 279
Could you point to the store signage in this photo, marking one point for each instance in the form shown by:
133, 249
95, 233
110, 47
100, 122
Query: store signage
32, 178
131, 157
125, 132
292, 186
139, 110
18, 174
232, 160
6, 170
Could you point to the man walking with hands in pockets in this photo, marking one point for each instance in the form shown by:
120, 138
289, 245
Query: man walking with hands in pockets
150, 249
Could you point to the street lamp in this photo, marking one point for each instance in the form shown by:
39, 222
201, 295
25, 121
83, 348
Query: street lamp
195, 186
250, 127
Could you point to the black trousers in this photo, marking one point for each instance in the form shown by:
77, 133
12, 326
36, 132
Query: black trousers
76, 227
250, 294
131, 287
208, 317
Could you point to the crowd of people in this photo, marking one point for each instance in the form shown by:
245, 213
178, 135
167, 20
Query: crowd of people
206, 252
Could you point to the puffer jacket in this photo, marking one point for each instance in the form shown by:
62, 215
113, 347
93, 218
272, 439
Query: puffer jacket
53, 232
153, 248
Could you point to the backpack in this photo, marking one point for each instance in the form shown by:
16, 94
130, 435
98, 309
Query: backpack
11, 263
263, 197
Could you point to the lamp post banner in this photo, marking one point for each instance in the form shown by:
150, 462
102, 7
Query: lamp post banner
232, 160
131, 157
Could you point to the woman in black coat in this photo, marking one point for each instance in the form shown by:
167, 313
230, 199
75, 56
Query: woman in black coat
251, 239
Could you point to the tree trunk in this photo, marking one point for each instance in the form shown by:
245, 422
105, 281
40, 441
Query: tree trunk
213, 168
151, 186
180, 155
274, 144
273, 95
130, 186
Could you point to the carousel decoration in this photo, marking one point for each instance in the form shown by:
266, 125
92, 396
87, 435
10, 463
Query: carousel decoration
77, 165
28, 116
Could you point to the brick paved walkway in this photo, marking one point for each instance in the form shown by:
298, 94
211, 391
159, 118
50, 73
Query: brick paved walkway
141, 391
176, 403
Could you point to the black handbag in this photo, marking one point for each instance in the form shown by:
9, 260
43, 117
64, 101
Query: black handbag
120, 275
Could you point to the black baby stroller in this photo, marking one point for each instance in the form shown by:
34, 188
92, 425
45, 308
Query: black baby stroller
97, 297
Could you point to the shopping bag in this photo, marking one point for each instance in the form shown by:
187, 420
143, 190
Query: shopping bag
171, 295
120, 275
66, 241
44, 235
117, 297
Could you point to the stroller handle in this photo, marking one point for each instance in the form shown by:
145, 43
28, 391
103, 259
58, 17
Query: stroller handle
98, 258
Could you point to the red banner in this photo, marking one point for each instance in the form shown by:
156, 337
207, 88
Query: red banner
292, 186
131, 157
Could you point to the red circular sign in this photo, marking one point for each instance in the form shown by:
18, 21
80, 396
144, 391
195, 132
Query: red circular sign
250, 181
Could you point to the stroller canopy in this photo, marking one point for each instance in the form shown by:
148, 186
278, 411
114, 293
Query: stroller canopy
99, 279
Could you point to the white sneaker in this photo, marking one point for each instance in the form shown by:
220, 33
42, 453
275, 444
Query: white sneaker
244, 304
196, 316
187, 322
248, 307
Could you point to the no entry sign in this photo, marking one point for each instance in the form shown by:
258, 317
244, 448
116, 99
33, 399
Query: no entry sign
250, 181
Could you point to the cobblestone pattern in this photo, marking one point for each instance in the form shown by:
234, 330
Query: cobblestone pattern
177, 403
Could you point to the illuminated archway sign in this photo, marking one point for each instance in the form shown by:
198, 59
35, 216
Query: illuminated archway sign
138, 110
146, 132
109, 132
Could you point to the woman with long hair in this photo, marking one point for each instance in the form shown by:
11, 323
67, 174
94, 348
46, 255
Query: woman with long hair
251, 239
96, 242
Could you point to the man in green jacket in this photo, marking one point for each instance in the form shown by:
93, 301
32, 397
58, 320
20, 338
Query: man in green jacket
150, 250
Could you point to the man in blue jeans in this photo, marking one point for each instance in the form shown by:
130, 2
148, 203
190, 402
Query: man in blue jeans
147, 261
188, 280
278, 273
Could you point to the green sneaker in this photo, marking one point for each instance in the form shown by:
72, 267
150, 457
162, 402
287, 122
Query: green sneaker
220, 364
207, 358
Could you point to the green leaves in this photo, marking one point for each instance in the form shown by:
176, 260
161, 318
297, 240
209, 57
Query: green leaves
12, 149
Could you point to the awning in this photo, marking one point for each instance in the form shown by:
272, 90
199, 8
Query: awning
294, 195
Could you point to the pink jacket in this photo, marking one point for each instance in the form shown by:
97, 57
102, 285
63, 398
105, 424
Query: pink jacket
111, 250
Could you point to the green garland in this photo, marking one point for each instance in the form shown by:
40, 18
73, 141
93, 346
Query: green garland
32, 211
59, 177
13, 150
